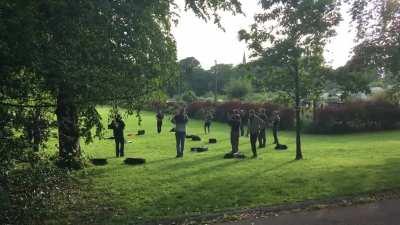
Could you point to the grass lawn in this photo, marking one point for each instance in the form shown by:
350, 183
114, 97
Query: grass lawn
200, 183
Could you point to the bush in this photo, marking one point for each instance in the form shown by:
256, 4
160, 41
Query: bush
196, 110
36, 194
189, 96
355, 117
238, 89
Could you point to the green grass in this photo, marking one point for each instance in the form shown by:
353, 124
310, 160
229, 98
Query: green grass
201, 183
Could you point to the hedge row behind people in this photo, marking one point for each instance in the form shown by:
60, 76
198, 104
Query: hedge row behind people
356, 117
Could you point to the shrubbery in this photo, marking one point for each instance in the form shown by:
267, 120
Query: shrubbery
355, 117
33, 195
344, 118
238, 89
189, 96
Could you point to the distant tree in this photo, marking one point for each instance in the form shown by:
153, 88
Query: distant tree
238, 89
186, 66
224, 73
200, 81
352, 81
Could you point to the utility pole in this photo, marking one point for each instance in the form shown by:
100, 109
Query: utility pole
216, 83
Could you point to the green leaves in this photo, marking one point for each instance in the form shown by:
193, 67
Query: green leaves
208, 9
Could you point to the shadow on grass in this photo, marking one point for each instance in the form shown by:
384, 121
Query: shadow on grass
219, 194
180, 163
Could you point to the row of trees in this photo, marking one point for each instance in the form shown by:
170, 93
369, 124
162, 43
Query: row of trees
202, 82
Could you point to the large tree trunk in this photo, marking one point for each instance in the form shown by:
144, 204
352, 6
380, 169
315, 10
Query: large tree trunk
299, 154
68, 133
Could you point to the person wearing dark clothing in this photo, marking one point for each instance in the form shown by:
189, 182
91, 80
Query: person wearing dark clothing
180, 120
234, 123
207, 122
262, 138
275, 126
160, 117
118, 127
253, 127
244, 121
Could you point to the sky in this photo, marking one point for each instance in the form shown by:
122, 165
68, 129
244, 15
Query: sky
208, 43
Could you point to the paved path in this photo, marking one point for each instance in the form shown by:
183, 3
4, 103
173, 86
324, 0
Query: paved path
385, 212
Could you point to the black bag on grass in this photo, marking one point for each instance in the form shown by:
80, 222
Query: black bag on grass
134, 161
196, 138
280, 147
237, 155
99, 162
199, 149
212, 141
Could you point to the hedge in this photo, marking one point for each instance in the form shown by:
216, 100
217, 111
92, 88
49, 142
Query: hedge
355, 117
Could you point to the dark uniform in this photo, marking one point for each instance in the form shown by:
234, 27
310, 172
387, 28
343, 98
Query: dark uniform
160, 117
234, 123
262, 138
118, 127
244, 118
275, 127
207, 123
180, 120
253, 127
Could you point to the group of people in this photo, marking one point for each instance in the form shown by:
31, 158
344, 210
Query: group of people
256, 124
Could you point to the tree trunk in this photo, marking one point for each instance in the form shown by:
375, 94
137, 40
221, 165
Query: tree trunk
299, 154
68, 133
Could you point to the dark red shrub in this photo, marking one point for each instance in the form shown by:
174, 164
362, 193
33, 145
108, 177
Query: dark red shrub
197, 109
356, 116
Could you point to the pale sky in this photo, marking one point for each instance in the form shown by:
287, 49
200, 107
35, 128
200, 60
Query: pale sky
207, 43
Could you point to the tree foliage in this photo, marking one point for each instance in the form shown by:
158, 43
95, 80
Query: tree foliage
378, 33
286, 34
238, 89
68, 56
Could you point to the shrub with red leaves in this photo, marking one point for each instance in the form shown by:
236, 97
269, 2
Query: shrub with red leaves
356, 116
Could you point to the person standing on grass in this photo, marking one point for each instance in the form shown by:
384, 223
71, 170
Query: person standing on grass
262, 138
160, 117
118, 127
254, 125
276, 119
243, 117
180, 120
234, 122
207, 122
